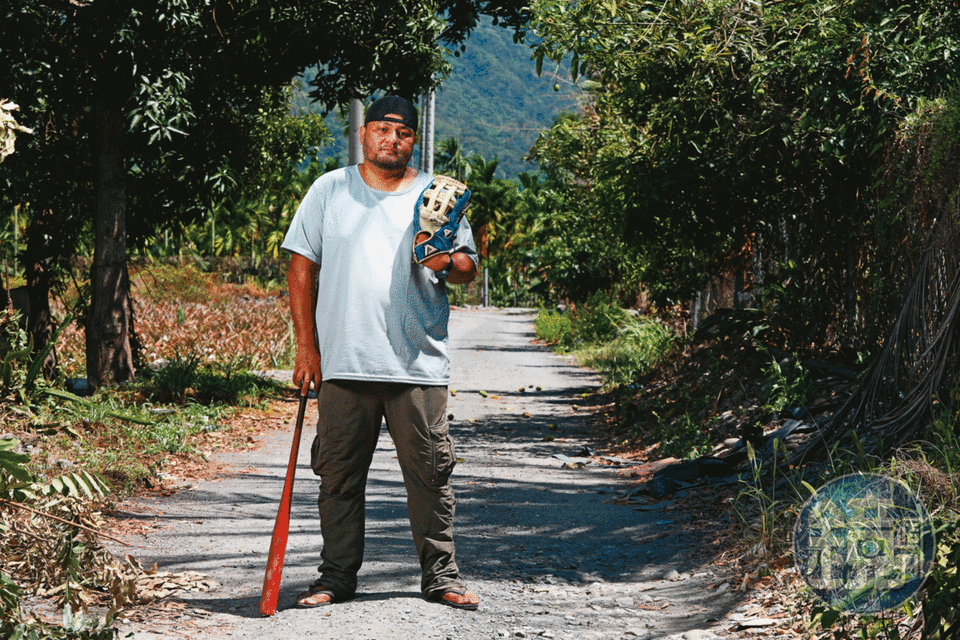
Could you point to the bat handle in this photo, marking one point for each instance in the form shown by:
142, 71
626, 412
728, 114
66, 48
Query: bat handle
281, 527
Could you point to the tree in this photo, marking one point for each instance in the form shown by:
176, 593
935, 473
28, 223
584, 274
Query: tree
450, 159
147, 110
910, 390
745, 136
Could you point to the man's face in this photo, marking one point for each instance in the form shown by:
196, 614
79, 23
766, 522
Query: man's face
388, 145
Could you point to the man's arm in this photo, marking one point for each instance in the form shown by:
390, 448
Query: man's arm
462, 269
302, 283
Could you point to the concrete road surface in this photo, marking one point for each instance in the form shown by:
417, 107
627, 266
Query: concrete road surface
541, 542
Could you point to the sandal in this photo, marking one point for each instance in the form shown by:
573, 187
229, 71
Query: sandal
306, 599
456, 596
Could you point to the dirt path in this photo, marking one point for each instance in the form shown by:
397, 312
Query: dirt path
540, 538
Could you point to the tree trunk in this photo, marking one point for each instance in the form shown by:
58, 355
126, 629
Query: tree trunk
109, 356
37, 263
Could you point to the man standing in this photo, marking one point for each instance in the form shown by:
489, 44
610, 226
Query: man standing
371, 324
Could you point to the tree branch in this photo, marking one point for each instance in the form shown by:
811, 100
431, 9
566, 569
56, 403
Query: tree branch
67, 522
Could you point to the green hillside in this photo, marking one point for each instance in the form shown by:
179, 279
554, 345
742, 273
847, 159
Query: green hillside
493, 102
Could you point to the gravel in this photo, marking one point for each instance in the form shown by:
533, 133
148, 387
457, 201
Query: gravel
539, 540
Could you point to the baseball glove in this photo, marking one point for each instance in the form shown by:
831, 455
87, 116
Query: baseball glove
436, 218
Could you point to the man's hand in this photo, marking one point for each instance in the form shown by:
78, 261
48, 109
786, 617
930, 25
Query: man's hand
306, 370
461, 269
302, 282
436, 220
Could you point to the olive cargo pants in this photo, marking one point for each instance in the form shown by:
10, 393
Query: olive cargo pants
351, 413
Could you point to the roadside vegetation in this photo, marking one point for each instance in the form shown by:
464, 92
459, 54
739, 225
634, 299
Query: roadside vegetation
670, 395
66, 457
749, 224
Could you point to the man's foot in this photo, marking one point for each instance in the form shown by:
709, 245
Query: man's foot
317, 596
456, 596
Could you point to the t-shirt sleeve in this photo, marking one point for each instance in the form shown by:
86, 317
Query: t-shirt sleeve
304, 235
464, 240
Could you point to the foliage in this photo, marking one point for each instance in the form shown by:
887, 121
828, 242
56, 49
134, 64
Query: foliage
251, 222
595, 321
942, 617
20, 366
789, 382
11, 462
640, 344
190, 378
770, 497
553, 327
932, 469
51, 547
735, 137
607, 339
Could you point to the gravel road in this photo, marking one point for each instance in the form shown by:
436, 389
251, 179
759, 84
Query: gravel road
540, 539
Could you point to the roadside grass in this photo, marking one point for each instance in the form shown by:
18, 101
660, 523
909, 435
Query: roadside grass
202, 342
620, 347
681, 396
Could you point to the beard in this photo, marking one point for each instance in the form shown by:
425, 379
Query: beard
386, 159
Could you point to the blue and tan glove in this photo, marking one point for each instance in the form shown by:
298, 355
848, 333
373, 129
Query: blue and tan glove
436, 218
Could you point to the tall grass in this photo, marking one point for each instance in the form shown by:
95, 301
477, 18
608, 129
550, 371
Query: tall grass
607, 339
639, 346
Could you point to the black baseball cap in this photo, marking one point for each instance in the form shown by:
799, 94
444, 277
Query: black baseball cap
393, 105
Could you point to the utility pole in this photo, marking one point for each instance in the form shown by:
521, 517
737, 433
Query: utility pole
355, 153
428, 125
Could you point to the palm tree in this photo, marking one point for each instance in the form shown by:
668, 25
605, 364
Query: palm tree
449, 159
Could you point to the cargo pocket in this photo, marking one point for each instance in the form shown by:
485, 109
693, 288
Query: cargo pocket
444, 455
315, 455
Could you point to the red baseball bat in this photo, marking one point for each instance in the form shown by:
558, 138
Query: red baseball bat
281, 528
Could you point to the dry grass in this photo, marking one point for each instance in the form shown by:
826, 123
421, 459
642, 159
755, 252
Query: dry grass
182, 312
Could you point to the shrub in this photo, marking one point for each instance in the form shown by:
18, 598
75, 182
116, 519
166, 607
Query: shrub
598, 320
639, 346
552, 327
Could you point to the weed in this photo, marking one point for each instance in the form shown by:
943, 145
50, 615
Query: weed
683, 438
678, 433
639, 346
552, 327
790, 385
191, 379
596, 321
49, 548
931, 469
20, 366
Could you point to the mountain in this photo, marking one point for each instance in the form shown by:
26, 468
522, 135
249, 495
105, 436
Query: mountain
493, 102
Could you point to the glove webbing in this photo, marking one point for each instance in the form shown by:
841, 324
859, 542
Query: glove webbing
439, 200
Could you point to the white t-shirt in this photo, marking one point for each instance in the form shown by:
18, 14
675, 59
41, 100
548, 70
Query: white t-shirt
380, 316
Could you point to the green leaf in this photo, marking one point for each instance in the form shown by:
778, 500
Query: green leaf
829, 618
41, 356
69, 483
66, 395
12, 462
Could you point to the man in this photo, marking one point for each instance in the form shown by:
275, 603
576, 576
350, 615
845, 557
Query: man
371, 324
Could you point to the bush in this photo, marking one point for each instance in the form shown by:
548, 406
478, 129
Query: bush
552, 327
638, 347
598, 320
